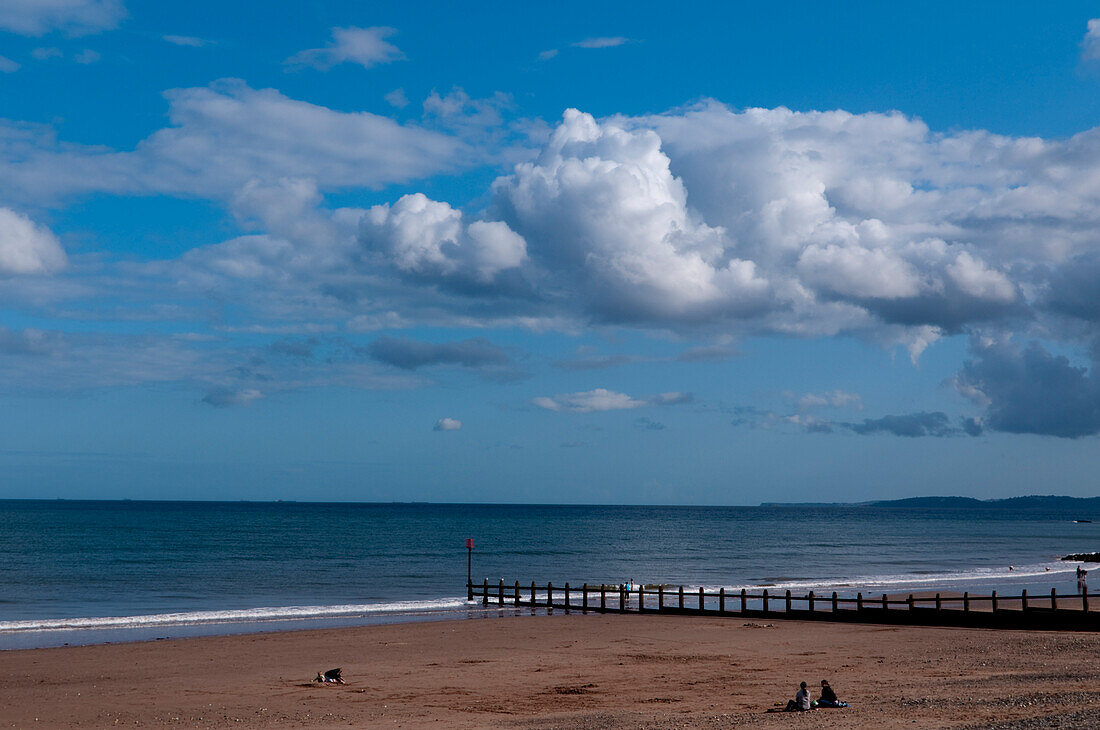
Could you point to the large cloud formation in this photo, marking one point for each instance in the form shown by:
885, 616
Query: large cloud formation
704, 220
813, 223
773, 221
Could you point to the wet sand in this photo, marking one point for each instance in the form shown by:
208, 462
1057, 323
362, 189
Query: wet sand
564, 671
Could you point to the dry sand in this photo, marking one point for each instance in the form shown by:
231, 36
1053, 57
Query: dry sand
575, 671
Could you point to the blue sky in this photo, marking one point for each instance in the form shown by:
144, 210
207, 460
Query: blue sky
621, 253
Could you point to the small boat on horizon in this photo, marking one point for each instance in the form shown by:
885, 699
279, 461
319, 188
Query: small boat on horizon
1079, 522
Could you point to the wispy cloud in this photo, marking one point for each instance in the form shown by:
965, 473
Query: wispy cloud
1090, 46
72, 17
602, 42
909, 425
601, 399
397, 99
226, 397
365, 46
186, 40
448, 424
409, 354
589, 401
831, 399
589, 43
87, 57
8, 66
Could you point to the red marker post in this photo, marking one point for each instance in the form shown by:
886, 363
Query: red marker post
469, 566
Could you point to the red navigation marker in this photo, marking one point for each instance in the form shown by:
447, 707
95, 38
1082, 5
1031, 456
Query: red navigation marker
469, 543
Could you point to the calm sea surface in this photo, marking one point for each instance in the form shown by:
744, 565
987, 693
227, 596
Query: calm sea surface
84, 572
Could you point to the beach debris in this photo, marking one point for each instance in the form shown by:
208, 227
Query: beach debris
332, 676
754, 625
580, 689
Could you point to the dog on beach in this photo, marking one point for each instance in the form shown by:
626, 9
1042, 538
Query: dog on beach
331, 676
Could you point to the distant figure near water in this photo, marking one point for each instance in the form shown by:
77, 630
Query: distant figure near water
1082, 580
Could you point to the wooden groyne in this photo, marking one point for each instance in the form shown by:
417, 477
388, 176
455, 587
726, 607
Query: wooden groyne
1072, 612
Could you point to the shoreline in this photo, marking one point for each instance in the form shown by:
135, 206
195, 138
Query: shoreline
561, 671
170, 626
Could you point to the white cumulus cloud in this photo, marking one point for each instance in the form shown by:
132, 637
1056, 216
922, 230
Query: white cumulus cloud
448, 424
26, 248
422, 236
604, 216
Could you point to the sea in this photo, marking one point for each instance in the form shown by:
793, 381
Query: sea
86, 572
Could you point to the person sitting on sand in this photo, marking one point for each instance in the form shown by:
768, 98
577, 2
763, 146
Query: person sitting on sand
801, 700
828, 696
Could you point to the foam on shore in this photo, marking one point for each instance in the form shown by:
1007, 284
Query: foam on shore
247, 615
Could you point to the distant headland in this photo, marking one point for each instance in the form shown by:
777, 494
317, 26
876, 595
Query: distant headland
1043, 502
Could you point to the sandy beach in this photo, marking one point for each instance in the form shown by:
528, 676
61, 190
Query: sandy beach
563, 671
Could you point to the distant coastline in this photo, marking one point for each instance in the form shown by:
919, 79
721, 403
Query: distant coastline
1048, 502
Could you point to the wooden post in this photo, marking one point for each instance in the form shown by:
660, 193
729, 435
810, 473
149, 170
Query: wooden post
584, 597
533, 601
660, 598
834, 601
939, 603
641, 598
721, 600
700, 599
859, 601
884, 606
787, 606
765, 597
909, 601
1023, 600
567, 595
993, 601
469, 569
622, 598
1085, 600
549, 594
1053, 599
500, 593
744, 601
681, 598
517, 592
603, 598
810, 601
485, 593
966, 601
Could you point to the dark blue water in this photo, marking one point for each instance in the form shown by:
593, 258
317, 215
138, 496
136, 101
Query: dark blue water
185, 564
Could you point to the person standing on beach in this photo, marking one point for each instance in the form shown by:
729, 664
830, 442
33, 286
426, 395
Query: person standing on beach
1082, 580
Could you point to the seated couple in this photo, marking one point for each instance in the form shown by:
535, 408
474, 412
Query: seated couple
802, 700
